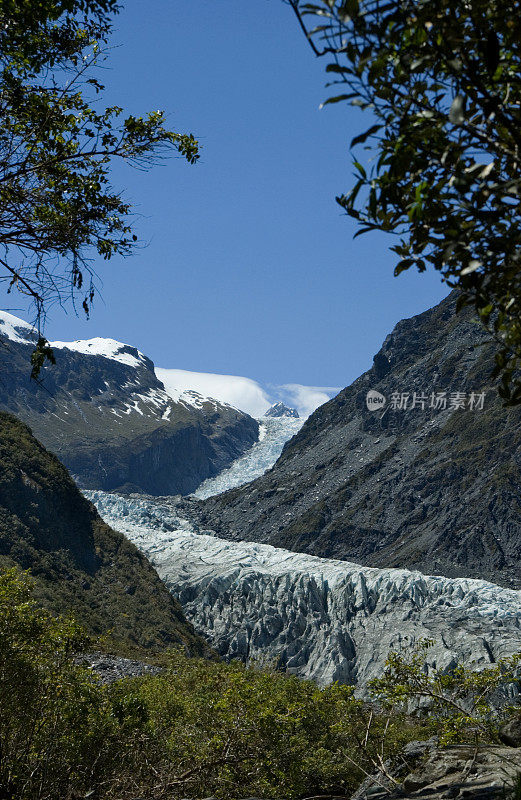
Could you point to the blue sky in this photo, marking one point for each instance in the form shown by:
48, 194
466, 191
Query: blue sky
250, 267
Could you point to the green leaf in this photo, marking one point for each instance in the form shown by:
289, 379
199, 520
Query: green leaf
338, 99
362, 137
338, 68
403, 265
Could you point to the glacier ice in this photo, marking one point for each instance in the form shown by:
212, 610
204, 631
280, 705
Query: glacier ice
318, 618
273, 434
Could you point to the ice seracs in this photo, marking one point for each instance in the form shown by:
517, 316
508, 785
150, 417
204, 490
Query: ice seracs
274, 432
319, 618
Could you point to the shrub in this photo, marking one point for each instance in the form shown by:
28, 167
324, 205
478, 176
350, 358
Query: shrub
199, 728
459, 704
57, 734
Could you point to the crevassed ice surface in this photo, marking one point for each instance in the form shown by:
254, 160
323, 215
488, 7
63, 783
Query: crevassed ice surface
319, 618
273, 434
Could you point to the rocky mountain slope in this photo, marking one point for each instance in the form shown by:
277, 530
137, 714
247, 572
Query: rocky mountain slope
104, 413
426, 477
323, 619
79, 564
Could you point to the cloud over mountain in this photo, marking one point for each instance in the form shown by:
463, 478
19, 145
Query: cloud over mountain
245, 394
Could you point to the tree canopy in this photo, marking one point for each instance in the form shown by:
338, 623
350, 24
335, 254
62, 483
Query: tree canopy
440, 165
58, 210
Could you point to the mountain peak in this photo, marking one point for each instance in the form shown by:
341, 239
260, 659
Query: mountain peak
107, 348
16, 329
281, 410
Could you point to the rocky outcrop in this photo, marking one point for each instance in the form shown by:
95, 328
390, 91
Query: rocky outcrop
104, 413
115, 668
318, 618
459, 771
423, 473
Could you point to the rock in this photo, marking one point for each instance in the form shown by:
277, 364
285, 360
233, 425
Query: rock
281, 410
381, 365
114, 668
458, 771
510, 732
421, 488
416, 749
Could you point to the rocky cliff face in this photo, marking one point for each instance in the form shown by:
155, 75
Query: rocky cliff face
102, 410
318, 618
422, 474
80, 565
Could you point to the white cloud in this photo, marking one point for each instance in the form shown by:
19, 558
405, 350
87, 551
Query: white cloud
245, 393
305, 398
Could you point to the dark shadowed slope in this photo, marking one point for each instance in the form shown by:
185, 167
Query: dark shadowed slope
423, 488
79, 563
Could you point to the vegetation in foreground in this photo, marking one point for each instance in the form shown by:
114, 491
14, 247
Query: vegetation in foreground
79, 564
202, 727
57, 143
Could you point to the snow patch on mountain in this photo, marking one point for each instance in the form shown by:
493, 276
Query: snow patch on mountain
273, 434
242, 393
16, 329
107, 348
318, 618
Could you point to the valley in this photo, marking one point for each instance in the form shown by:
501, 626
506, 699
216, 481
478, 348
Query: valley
260, 478
306, 547
313, 617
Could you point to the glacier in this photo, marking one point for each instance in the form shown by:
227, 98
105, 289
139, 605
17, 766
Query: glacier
273, 434
318, 618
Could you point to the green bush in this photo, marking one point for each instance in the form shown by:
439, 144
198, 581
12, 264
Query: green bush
461, 704
232, 731
53, 716
199, 728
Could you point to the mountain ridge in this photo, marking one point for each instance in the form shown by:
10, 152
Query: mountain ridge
102, 410
431, 489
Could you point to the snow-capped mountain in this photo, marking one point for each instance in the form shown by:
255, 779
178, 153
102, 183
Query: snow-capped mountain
281, 410
103, 411
318, 618
131, 357
247, 394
